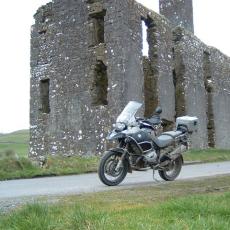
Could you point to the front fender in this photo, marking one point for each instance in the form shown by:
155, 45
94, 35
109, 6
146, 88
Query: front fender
121, 151
114, 135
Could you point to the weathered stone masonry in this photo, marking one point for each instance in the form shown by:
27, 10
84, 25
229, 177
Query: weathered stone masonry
86, 64
179, 12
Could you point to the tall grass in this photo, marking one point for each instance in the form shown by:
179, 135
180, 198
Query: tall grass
190, 212
15, 168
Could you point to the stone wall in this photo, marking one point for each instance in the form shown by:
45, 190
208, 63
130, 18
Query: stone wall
85, 49
189, 77
179, 12
86, 64
219, 84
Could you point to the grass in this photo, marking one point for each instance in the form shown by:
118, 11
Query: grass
17, 141
207, 155
15, 168
14, 162
200, 204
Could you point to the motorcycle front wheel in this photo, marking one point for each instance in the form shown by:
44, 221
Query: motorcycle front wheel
107, 169
172, 171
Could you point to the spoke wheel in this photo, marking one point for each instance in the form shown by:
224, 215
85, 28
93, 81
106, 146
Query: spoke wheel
172, 170
107, 169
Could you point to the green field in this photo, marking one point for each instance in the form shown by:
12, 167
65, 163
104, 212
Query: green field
207, 155
17, 141
194, 205
14, 162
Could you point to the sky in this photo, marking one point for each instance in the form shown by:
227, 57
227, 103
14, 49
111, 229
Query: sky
211, 22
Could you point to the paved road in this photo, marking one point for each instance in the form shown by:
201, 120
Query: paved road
76, 184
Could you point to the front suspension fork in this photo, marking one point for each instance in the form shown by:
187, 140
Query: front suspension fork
120, 161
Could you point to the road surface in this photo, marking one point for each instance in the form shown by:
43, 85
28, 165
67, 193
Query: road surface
76, 184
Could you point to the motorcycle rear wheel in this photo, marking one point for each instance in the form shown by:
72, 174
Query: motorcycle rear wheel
173, 171
106, 171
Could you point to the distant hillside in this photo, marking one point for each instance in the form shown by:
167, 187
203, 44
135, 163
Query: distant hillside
17, 141
21, 136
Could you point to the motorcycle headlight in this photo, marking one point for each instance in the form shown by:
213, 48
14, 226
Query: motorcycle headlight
119, 126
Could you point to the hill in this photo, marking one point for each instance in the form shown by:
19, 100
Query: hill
17, 141
21, 136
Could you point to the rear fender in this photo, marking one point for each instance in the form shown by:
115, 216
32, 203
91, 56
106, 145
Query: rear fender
121, 151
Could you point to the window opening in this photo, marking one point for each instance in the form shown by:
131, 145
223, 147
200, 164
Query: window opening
100, 84
97, 23
44, 95
145, 44
209, 91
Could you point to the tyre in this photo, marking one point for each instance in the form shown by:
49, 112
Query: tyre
172, 171
106, 171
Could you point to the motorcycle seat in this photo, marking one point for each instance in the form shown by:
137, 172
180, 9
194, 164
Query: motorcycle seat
164, 141
167, 138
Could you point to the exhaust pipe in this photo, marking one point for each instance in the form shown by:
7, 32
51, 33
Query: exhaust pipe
177, 152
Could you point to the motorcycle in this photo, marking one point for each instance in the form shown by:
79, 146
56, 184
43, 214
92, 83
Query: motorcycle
139, 146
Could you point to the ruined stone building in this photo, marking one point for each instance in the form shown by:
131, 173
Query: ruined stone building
87, 63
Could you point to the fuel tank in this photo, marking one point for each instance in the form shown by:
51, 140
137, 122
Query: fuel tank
140, 142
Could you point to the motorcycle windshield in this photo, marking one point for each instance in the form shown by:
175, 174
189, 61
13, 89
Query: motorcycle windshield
127, 115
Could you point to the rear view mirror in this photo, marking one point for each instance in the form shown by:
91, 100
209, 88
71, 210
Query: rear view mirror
158, 110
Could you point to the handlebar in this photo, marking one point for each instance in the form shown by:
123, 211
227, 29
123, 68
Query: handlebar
151, 123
